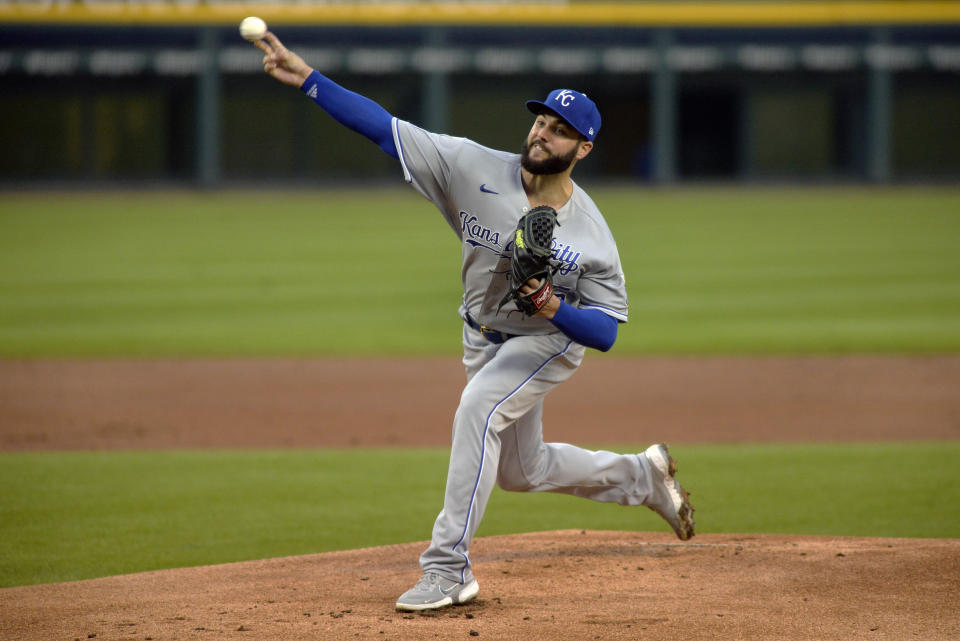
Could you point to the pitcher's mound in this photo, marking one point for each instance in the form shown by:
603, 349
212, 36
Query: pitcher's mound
568, 585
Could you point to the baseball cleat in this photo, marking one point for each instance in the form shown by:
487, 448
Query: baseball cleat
668, 499
433, 591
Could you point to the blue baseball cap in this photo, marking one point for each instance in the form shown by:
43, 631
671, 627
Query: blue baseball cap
572, 106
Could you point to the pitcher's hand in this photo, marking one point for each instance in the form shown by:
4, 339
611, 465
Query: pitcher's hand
281, 63
551, 306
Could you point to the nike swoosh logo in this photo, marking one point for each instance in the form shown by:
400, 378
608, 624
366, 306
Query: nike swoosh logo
484, 189
447, 592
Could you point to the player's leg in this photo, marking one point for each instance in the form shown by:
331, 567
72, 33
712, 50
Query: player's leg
520, 374
527, 464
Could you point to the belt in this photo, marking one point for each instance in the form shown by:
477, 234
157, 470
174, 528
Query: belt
490, 334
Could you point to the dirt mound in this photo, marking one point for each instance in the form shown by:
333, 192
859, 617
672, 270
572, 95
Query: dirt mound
569, 585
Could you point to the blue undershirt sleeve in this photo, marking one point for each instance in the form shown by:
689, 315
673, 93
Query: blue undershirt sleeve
352, 110
589, 327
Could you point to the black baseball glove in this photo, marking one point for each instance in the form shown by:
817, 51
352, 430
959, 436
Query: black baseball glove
532, 249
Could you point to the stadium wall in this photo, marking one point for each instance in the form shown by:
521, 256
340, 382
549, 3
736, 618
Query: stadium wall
134, 91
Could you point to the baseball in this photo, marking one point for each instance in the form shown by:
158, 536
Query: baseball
252, 28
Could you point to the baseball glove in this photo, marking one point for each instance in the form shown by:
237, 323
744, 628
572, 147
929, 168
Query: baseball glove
532, 249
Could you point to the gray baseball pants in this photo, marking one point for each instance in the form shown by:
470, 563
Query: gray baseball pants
498, 440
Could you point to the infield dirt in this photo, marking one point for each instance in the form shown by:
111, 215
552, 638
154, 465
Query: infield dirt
236, 403
570, 585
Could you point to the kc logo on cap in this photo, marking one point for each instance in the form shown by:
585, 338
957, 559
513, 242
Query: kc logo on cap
574, 107
565, 97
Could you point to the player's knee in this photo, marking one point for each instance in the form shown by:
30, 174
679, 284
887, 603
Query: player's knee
519, 475
512, 482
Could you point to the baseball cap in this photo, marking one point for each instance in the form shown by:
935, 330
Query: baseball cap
572, 106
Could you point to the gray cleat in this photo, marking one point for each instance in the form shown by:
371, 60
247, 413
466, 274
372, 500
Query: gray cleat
668, 499
433, 591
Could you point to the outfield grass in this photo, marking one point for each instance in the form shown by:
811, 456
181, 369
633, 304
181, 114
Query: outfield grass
375, 272
67, 516
126, 274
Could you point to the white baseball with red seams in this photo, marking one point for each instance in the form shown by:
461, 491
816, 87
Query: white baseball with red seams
253, 28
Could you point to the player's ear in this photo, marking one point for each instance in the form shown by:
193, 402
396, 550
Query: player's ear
584, 149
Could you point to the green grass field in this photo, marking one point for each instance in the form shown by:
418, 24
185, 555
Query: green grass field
343, 272
759, 271
67, 516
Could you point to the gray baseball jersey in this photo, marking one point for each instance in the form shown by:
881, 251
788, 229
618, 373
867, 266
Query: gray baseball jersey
497, 430
480, 194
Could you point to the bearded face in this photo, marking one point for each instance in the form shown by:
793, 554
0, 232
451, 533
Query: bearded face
550, 165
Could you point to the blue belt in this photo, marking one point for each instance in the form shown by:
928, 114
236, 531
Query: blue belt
490, 334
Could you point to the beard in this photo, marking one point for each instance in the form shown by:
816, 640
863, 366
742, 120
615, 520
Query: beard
550, 165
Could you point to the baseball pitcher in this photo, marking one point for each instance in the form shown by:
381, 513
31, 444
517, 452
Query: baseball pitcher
542, 283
